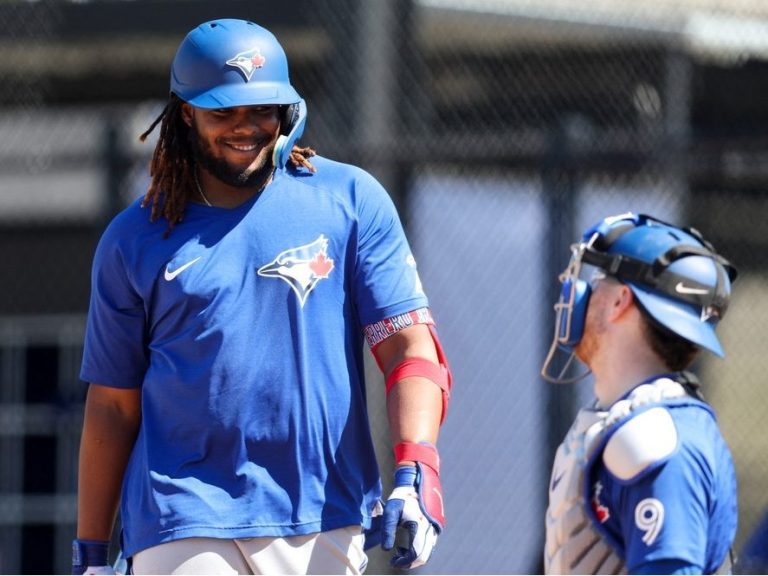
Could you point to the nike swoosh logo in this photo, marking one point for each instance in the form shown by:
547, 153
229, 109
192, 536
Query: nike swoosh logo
171, 275
556, 481
681, 288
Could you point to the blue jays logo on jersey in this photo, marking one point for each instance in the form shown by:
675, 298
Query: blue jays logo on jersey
602, 513
302, 268
247, 62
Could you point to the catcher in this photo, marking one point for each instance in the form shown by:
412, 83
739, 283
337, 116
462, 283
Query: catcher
644, 481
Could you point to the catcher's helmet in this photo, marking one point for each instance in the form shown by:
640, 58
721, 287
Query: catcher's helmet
677, 278
229, 62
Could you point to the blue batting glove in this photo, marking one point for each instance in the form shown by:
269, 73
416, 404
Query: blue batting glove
408, 508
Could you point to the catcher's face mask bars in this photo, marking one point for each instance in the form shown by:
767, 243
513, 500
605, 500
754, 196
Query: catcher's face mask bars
570, 316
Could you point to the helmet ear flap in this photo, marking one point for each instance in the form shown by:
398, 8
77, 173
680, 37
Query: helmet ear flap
292, 123
571, 318
289, 116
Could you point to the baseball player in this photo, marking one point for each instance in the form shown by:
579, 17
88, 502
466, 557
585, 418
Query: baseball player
226, 411
644, 482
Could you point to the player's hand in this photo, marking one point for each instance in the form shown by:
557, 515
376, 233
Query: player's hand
91, 557
416, 507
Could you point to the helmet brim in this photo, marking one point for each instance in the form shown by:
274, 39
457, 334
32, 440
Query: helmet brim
247, 94
683, 319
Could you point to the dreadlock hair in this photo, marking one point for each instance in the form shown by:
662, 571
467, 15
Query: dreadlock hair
172, 167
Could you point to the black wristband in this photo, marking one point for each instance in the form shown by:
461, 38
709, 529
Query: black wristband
89, 553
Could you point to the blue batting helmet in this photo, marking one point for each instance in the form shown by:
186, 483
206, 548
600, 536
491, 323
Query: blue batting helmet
226, 63
229, 62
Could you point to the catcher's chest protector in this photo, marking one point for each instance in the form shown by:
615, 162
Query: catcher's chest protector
573, 545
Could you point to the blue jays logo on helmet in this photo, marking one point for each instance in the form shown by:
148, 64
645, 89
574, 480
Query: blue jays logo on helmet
301, 268
230, 62
247, 62
215, 67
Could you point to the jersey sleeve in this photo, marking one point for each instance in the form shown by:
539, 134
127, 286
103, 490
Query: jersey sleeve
386, 279
114, 351
664, 514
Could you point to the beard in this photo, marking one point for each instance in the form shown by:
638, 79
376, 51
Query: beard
595, 326
253, 176
586, 349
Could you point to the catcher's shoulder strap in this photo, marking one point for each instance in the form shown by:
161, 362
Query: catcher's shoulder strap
690, 383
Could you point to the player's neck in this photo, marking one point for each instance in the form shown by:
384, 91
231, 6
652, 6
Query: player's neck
614, 378
213, 192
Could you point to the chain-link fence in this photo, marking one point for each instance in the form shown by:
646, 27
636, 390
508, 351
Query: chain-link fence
502, 128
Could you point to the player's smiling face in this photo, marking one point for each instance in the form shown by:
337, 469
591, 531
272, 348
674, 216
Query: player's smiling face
234, 144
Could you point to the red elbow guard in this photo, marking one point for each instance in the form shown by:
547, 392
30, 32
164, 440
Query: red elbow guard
423, 368
439, 374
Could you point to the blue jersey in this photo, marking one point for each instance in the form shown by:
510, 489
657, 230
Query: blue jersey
682, 508
243, 330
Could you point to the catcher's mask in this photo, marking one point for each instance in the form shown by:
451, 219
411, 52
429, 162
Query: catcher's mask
676, 276
230, 62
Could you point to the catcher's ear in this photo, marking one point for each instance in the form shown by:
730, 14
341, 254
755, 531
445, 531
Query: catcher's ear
621, 302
